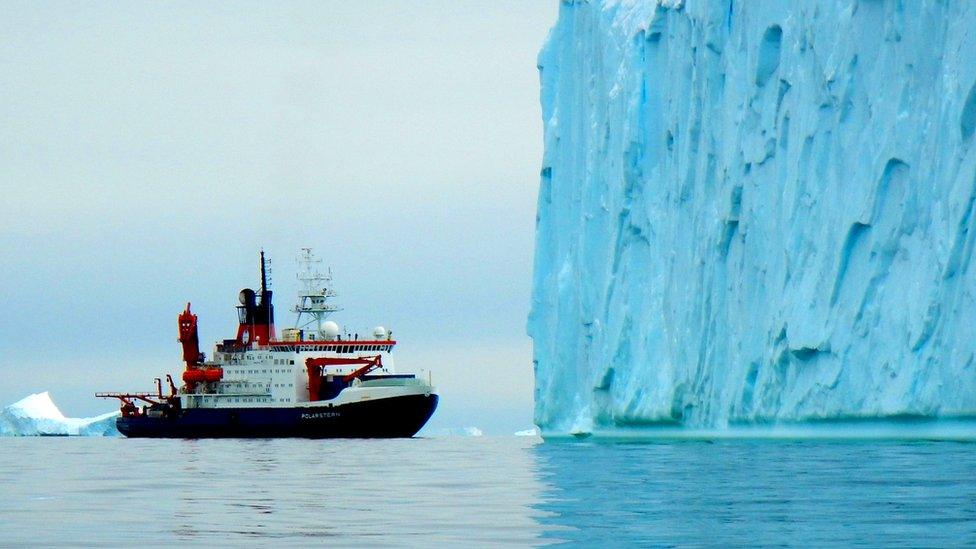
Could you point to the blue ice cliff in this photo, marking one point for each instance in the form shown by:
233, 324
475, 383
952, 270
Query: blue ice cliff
756, 212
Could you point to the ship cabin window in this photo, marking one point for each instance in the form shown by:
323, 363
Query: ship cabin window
291, 362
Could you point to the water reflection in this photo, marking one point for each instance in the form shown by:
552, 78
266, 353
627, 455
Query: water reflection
485, 491
449, 491
755, 492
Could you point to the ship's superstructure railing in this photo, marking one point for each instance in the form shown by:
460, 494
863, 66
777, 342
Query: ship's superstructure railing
364, 346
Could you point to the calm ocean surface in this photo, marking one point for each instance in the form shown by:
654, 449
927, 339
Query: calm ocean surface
484, 491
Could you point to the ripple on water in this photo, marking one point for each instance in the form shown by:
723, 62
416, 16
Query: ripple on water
485, 491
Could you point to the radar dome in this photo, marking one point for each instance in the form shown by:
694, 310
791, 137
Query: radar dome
380, 332
246, 297
330, 330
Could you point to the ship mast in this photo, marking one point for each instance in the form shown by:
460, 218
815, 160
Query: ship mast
313, 307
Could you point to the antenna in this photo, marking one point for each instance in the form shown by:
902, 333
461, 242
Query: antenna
313, 305
264, 275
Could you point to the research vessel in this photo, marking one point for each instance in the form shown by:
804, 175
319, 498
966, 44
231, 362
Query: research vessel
316, 381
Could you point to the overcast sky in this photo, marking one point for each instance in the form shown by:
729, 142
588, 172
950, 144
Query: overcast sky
148, 150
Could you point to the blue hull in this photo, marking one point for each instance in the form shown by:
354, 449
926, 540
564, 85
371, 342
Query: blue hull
384, 418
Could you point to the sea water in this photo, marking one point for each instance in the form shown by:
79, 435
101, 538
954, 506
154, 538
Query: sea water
483, 491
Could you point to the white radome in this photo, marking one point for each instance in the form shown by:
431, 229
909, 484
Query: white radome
330, 330
379, 333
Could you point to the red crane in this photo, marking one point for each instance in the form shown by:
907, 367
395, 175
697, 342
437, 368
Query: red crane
314, 367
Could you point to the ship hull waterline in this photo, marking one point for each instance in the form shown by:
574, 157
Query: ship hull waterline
396, 417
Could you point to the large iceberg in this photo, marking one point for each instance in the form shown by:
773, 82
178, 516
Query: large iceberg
37, 415
756, 212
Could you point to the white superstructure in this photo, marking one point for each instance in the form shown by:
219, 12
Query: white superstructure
262, 371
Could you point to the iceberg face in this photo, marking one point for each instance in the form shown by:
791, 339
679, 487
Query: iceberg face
755, 212
37, 415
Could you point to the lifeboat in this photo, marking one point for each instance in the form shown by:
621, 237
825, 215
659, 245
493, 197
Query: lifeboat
203, 376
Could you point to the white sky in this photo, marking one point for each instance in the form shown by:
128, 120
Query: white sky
149, 149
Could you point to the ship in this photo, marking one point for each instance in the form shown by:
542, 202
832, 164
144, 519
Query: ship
315, 381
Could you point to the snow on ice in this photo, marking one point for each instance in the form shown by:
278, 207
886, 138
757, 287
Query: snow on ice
37, 415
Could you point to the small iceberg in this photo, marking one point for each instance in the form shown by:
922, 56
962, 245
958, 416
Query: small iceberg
37, 415
459, 432
533, 432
